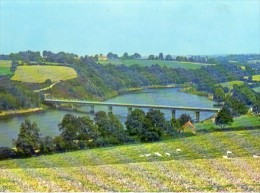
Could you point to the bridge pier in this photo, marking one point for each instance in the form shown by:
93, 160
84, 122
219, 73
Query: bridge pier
197, 115
129, 110
92, 110
110, 109
173, 113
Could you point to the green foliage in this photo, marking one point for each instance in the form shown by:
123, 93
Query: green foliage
47, 145
219, 94
135, 121
184, 118
256, 107
28, 141
6, 152
235, 107
224, 117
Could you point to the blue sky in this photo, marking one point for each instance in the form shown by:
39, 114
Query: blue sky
148, 27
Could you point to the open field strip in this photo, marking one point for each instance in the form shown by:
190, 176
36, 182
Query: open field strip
170, 64
231, 83
236, 174
199, 166
39, 74
256, 78
5, 66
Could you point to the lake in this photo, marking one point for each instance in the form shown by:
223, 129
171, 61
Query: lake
48, 120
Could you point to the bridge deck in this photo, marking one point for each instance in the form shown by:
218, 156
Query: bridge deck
134, 105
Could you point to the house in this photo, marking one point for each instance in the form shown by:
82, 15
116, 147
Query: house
102, 57
188, 128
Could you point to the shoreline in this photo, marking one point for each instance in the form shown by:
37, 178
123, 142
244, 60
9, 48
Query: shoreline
19, 112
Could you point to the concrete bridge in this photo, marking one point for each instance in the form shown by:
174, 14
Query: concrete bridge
110, 106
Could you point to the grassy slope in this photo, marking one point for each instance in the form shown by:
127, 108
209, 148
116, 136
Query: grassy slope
256, 78
242, 121
5, 67
199, 167
171, 64
231, 83
39, 74
257, 89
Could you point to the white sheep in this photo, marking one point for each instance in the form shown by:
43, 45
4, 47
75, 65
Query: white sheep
255, 156
148, 155
178, 150
229, 153
224, 156
168, 154
158, 154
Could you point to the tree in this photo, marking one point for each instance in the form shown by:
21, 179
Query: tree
28, 141
135, 121
153, 127
184, 118
151, 57
137, 56
168, 57
219, 94
235, 106
224, 117
161, 56
256, 108
47, 145
125, 56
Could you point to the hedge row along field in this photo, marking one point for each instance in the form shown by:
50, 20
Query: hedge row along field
192, 163
39, 74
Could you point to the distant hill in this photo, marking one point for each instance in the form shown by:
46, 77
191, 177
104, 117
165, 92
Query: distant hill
39, 74
145, 62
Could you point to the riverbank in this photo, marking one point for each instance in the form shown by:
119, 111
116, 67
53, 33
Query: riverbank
19, 112
191, 90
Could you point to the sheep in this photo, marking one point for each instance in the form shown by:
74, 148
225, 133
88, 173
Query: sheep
255, 156
168, 154
224, 156
158, 154
148, 155
178, 150
229, 153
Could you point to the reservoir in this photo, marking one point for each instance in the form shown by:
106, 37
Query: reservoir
48, 120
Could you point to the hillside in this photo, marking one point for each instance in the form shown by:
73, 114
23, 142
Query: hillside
169, 64
198, 166
39, 74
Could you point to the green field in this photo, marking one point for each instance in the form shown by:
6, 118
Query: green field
199, 166
257, 89
256, 78
242, 121
5, 67
170, 64
231, 83
39, 74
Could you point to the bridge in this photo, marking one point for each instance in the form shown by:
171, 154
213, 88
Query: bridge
110, 106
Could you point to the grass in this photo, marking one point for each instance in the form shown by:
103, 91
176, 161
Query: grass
256, 78
257, 89
39, 74
170, 64
242, 121
231, 83
200, 166
5, 66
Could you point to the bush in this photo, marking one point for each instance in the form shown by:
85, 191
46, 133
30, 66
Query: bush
6, 152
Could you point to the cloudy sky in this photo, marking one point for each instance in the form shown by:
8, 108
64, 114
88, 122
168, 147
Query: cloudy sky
147, 27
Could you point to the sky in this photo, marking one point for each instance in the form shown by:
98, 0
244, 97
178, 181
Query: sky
176, 27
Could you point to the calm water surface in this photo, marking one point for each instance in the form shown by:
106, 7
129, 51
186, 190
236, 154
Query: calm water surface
48, 120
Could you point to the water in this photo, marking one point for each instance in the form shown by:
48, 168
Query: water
48, 120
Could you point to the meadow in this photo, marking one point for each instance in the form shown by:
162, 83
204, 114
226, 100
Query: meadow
170, 64
39, 74
256, 78
187, 163
5, 66
231, 83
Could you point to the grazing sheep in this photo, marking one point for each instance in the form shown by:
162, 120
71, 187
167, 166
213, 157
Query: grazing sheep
178, 150
224, 156
255, 156
148, 155
158, 154
168, 154
229, 153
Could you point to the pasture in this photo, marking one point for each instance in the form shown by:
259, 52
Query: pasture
193, 163
5, 66
170, 64
256, 78
231, 83
39, 74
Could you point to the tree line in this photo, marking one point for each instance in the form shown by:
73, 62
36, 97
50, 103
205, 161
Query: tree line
105, 129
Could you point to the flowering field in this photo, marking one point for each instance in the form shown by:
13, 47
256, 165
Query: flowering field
184, 164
